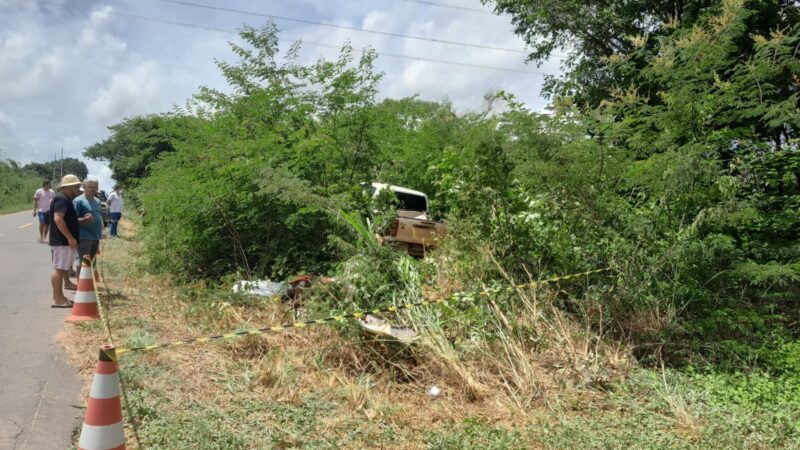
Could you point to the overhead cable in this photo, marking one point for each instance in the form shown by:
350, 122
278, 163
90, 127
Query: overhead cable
449, 6
319, 44
344, 27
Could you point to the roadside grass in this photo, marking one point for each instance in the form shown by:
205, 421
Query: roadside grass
10, 209
333, 386
17, 193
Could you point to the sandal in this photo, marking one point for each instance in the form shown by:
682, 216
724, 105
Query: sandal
71, 287
68, 304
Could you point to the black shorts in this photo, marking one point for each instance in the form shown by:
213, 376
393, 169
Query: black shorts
87, 247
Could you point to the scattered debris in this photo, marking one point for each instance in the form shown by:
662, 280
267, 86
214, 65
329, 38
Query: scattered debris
264, 288
290, 290
377, 325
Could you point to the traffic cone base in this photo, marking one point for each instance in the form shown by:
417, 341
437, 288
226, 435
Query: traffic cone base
103, 427
111, 437
85, 305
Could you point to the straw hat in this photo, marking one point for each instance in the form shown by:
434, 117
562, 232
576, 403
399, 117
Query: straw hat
69, 180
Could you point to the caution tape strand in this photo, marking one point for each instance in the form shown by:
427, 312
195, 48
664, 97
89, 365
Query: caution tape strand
456, 297
104, 315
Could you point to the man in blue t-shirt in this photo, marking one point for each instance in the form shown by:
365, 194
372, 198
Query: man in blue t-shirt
87, 206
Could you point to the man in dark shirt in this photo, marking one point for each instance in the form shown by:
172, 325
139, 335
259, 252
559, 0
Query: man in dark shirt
64, 232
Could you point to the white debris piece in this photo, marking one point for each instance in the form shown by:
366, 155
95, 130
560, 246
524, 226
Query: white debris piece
263, 288
380, 326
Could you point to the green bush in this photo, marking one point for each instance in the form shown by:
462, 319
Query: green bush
17, 187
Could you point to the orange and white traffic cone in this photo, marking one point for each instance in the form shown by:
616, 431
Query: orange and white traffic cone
102, 426
85, 306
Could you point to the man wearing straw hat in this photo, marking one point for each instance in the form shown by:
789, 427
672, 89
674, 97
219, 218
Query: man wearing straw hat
64, 232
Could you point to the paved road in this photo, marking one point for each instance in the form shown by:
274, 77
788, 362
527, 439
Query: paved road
37, 386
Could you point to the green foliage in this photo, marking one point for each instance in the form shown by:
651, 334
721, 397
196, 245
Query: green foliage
254, 186
17, 187
597, 36
52, 170
687, 184
683, 176
136, 142
676, 164
474, 434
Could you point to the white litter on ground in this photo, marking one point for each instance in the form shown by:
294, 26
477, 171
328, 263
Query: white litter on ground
380, 326
263, 288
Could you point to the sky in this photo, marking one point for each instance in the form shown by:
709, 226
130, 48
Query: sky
71, 68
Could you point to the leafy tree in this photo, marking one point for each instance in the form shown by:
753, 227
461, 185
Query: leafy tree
136, 142
67, 165
595, 34
264, 168
692, 188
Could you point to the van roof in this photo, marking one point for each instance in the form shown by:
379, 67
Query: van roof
381, 186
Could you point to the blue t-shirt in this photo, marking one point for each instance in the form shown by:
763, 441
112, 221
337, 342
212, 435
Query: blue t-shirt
89, 231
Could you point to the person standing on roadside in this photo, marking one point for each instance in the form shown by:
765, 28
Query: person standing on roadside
90, 219
64, 235
41, 207
114, 204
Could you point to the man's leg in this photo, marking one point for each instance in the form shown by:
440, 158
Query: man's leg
115, 222
83, 249
61, 256
86, 248
68, 284
44, 226
56, 278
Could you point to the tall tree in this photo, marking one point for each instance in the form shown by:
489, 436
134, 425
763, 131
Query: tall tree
595, 33
137, 142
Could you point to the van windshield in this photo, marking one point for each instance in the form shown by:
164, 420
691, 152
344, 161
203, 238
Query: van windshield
411, 202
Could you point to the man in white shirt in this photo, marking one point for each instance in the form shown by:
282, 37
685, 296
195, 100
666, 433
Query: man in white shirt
41, 208
114, 204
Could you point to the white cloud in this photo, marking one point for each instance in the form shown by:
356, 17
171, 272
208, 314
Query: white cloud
70, 69
102, 174
377, 20
70, 141
135, 91
101, 16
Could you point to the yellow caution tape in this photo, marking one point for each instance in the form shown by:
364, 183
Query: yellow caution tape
456, 297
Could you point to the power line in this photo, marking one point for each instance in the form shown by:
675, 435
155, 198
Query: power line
319, 44
449, 6
9, 141
343, 27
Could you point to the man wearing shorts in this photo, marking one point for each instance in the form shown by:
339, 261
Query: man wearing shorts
64, 232
41, 208
87, 207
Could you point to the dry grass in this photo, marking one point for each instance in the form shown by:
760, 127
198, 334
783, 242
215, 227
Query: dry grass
508, 382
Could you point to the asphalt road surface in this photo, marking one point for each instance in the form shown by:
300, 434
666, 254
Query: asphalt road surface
38, 388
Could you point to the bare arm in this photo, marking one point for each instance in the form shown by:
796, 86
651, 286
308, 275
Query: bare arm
35, 206
58, 219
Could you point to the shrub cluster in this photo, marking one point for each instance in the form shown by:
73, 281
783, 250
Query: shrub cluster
685, 179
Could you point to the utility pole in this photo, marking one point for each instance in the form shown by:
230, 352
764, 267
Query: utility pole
62, 162
55, 158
